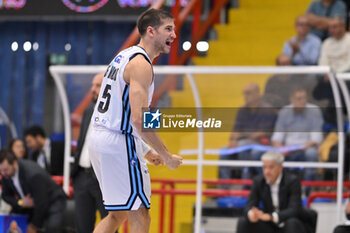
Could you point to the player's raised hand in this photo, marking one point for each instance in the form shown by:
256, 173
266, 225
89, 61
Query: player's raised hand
154, 158
173, 161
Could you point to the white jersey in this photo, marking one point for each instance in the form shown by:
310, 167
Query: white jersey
112, 110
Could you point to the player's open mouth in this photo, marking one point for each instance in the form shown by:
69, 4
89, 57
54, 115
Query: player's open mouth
168, 43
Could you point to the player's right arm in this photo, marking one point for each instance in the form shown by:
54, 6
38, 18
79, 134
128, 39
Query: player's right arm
138, 73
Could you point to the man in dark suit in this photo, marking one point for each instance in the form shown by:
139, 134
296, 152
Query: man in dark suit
274, 204
47, 153
87, 194
30, 190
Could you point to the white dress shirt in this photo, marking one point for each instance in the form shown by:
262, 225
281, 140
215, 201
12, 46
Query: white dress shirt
274, 189
84, 160
17, 185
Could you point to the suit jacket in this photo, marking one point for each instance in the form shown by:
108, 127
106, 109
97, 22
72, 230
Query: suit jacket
37, 182
57, 158
81, 140
289, 197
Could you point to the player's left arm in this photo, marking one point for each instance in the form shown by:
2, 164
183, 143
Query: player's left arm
139, 73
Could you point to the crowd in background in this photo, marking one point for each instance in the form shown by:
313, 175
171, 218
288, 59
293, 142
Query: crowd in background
297, 110
296, 113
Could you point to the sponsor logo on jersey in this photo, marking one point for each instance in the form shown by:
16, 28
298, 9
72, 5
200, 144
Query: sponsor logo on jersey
118, 58
99, 120
133, 162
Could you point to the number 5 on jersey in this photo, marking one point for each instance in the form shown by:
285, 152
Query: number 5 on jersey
106, 98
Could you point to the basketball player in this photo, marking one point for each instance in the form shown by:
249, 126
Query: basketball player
115, 144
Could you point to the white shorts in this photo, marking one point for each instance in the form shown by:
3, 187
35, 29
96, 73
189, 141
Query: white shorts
120, 169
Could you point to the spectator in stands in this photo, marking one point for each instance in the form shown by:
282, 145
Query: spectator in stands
304, 48
299, 124
335, 50
344, 228
87, 193
323, 92
320, 13
279, 86
274, 203
335, 53
30, 190
253, 125
18, 148
48, 154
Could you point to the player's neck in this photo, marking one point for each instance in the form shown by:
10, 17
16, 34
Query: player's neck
150, 52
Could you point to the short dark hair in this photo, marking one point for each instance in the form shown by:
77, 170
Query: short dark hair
34, 131
7, 155
153, 18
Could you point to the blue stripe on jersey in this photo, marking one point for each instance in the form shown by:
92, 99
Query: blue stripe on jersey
130, 155
126, 96
126, 107
139, 176
128, 115
125, 124
123, 111
119, 207
129, 131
